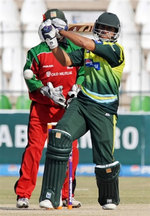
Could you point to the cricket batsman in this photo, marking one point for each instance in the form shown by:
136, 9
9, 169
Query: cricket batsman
94, 110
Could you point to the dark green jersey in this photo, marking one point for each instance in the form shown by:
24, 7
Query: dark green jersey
103, 71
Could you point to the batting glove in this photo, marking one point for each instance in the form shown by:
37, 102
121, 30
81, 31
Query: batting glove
59, 24
47, 33
43, 24
73, 93
54, 93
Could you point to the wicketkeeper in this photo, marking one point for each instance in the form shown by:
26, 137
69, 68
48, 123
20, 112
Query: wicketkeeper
94, 109
51, 89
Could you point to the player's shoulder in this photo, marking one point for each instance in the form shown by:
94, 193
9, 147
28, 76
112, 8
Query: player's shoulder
115, 46
41, 47
107, 43
119, 45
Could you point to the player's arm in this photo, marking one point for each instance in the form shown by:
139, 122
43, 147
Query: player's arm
107, 51
34, 84
62, 56
111, 52
32, 63
80, 69
49, 33
79, 40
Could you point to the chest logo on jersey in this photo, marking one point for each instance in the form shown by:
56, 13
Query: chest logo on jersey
90, 63
48, 73
52, 74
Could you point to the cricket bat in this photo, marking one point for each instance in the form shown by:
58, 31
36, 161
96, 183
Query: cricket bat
81, 27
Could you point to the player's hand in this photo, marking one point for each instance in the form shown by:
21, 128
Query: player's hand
47, 32
43, 25
73, 93
55, 94
59, 24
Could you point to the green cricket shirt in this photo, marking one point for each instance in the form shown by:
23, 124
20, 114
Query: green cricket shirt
103, 72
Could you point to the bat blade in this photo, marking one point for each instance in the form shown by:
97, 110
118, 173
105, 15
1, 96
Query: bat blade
81, 27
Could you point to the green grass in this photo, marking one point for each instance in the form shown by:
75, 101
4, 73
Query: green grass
135, 190
132, 190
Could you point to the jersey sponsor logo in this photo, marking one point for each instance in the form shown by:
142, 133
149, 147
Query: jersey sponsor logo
65, 73
47, 66
90, 63
96, 65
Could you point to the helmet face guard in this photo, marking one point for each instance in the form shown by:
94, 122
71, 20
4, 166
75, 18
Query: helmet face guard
107, 27
99, 34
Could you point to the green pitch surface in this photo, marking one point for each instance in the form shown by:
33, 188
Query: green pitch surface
134, 194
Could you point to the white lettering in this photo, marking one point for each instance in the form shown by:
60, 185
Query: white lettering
5, 136
46, 66
20, 136
117, 138
65, 73
85, 141
130, 138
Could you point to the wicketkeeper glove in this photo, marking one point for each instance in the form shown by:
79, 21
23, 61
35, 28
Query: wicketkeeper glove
47, 32
54, 93
73, 93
